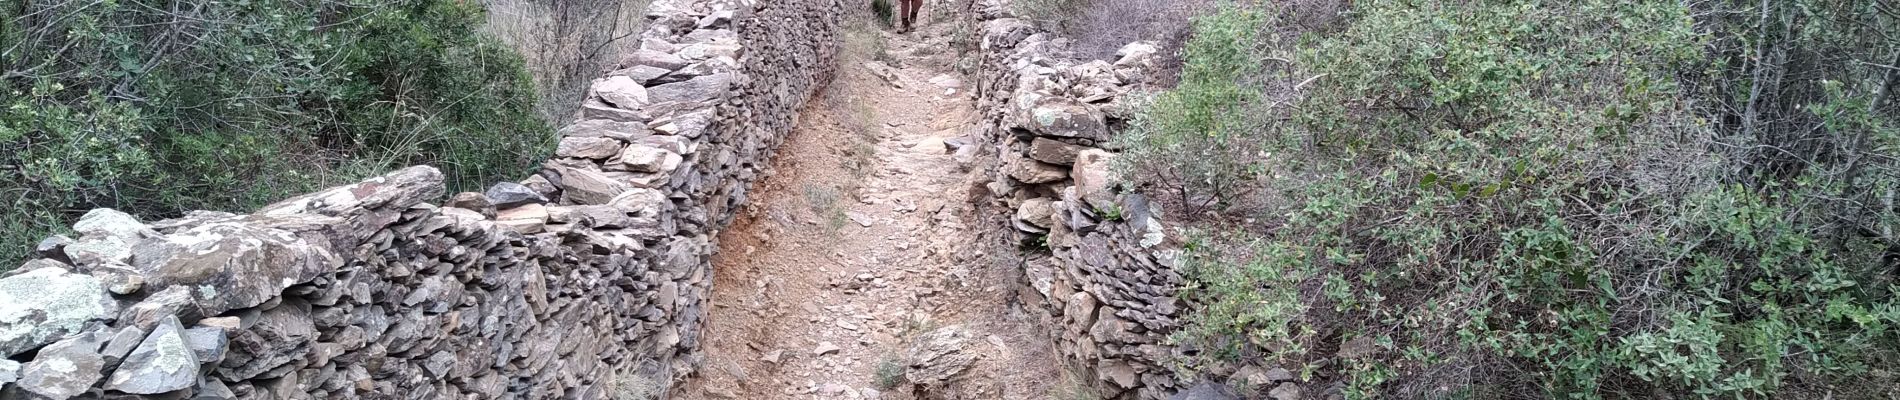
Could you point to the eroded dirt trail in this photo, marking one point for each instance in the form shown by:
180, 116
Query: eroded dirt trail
857, 262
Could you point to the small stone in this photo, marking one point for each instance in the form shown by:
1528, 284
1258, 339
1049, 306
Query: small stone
226, 323
506, 195
1278, 375
1031, 171
643, 158
583, 186
1206, 391
641, 73
1037, 211
588, 147
207, 343
1064, 117
1286, 391
1136, 54
9, 371
110, 222
527, 219
656, 59
122, 343
163, 363
622, 92
861, 219
931, 145
775, 356
1359, 347
54, 248
1053, 151
470, 200
825, 348
1094, 182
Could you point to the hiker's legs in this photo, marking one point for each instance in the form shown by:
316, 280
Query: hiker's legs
908, 13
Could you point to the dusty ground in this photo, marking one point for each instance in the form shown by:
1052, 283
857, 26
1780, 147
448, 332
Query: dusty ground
862, 241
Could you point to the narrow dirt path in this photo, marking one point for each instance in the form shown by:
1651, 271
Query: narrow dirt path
860, 246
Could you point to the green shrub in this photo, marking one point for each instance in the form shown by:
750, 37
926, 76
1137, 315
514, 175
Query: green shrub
133, 107
1532, 199
1195, 142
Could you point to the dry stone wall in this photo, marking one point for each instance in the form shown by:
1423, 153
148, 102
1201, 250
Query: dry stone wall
587, 280
1099, 266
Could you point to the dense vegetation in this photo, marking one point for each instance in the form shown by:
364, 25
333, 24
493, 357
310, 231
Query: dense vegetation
157, 107
1534, 199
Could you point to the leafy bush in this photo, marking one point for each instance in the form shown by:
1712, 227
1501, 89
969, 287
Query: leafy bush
1196, 141
1531, 199
159, 109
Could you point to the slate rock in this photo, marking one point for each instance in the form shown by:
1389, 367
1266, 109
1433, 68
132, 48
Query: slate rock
233, 265
641, 73
1052, 151
507, 195
701, 89
46, 304
1038, 212
1206, 391
622, 130
1031, 171
110, 222
163, 363
1063, 117
582, 186
622, 92
207, 343
64, 369
54, 247
9, 371
645, 158
938, 356
656, 59
470, 200
1094, 182
588, 147
122, 343
1286, 391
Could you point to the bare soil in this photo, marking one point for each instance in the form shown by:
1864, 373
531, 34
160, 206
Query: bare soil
861, 238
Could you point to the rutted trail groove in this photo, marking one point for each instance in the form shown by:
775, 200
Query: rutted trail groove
857, 274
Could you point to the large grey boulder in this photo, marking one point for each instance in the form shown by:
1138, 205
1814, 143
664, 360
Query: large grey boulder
47, 304
64, 369
232, 265
162, 363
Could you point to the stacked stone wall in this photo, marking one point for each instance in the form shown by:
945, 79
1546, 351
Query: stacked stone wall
587, 280
1099, 268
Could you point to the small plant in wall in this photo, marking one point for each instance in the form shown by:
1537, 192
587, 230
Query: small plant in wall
1111, 213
